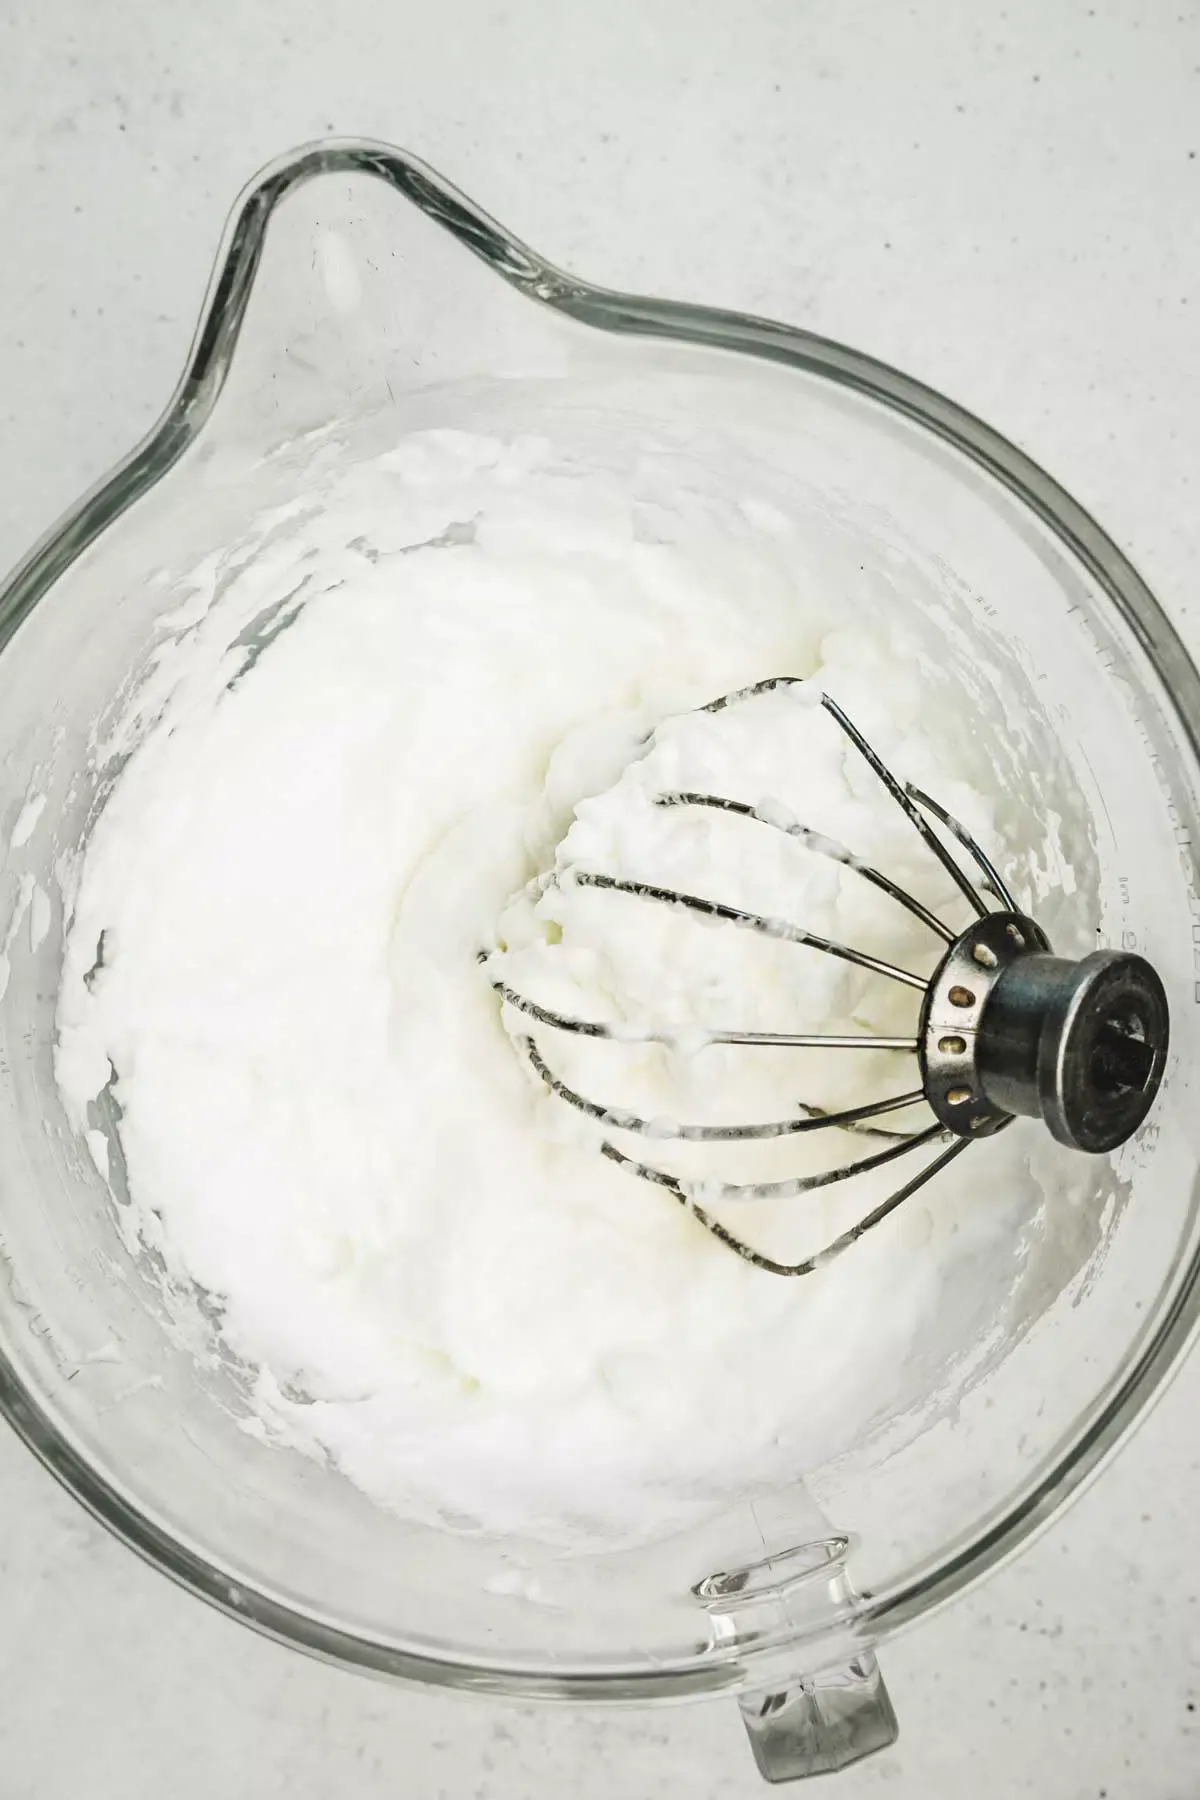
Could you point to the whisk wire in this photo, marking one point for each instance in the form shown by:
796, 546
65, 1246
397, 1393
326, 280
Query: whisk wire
908, 805
823, 846
834, 1248
973, 848
752, 921
777, 1190
617, 1119
639, 1034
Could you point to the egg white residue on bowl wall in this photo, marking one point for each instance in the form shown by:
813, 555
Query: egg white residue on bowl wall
361, 733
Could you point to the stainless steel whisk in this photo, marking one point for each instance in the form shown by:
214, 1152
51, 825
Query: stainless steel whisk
1006, 1028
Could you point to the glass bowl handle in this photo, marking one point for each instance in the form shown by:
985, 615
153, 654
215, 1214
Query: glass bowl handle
822, 1723
800, 1720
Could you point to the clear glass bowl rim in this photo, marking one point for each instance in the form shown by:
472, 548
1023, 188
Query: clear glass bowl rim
185, 415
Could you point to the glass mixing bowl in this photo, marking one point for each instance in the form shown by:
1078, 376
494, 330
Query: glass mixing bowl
357, 296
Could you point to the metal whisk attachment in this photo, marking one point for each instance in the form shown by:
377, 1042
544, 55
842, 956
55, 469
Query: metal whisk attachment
1006, 1028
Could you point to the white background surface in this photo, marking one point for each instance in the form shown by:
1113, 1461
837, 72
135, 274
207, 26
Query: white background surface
1003, 200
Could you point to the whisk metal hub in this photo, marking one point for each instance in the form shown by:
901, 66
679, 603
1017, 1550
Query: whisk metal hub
1009, 1029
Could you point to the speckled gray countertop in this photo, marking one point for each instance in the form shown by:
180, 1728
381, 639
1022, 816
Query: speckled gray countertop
1004, 201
